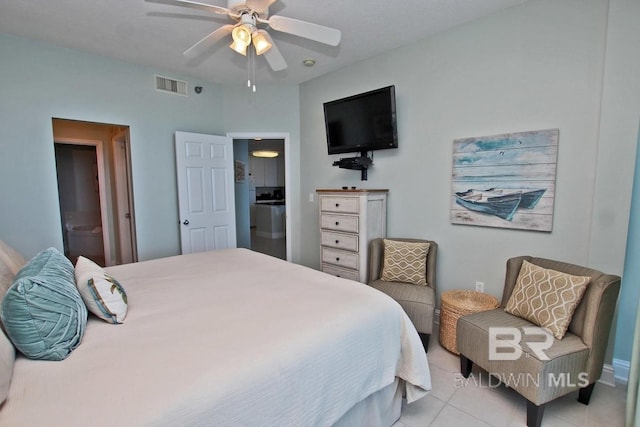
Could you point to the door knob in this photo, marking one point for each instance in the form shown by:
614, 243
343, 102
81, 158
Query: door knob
185, 222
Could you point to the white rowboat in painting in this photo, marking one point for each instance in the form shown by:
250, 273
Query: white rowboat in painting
502, 203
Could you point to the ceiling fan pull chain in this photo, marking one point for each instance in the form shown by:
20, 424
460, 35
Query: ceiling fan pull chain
248, 73
253, 68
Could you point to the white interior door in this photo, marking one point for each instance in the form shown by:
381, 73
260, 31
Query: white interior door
205, 192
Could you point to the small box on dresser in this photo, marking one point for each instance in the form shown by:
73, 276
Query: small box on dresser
349, 220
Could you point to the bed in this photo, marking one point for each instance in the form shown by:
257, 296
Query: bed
230, 338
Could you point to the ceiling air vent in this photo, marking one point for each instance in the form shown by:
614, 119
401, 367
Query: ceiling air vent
165, 84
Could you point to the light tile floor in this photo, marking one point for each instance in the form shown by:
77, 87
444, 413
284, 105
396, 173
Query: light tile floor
273, 247
479, 403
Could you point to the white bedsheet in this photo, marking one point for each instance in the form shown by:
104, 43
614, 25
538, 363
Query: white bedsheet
225, 338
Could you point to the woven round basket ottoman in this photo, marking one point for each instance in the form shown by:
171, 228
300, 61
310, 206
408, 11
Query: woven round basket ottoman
455, 304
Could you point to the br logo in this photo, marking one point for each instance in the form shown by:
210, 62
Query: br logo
505, 343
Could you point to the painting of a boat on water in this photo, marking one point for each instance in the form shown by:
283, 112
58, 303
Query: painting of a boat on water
505, 180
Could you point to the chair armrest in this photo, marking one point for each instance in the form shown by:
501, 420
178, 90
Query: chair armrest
376, 258
593, 318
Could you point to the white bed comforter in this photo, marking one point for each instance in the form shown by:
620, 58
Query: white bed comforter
225, 338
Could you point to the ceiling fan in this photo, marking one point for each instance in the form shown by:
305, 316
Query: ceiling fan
249, 16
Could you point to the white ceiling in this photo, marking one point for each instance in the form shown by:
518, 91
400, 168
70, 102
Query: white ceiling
156, 34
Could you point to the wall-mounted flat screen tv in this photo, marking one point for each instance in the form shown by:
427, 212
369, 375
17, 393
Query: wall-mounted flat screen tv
362, 122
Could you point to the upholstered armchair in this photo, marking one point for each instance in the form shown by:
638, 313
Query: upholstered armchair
417, 300
537, 364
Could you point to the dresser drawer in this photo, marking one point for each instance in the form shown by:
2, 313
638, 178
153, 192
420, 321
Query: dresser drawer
348, 242
339, 222
340, 258
340, 272
340, 204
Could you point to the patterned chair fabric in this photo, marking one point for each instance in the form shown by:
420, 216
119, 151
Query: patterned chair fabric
418, 301
565, 365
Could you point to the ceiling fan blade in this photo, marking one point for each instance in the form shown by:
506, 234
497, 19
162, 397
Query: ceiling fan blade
275, 59
208, 41
260, 6
307, 30
200, 6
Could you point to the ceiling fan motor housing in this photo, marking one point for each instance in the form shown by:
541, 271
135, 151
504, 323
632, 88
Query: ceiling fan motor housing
240, 6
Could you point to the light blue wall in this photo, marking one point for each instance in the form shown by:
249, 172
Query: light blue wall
534, 66
273, 109
630, 292
620, 108
571, 65
243, 235
41, 81
530, 67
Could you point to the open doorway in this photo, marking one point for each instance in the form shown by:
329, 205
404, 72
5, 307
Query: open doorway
261, 190
95, 192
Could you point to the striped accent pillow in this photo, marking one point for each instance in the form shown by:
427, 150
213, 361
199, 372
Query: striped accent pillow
103, 295
546, 297
405, 262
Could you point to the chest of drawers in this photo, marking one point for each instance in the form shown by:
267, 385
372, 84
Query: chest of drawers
349, 220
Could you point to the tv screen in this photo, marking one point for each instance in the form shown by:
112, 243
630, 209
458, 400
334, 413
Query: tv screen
362, 122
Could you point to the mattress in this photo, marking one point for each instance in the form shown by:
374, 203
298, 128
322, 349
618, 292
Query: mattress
225, 338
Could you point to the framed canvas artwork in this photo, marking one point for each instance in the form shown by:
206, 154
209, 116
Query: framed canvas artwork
506, 180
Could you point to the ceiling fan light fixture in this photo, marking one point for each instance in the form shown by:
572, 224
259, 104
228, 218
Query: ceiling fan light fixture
242, 34
239, 47
262, 41
264, 153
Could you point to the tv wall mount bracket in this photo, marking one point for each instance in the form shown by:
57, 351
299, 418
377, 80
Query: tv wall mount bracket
361, 163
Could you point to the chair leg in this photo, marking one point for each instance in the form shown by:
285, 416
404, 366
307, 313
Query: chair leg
465, 366
584, 395
425, 340
534, 414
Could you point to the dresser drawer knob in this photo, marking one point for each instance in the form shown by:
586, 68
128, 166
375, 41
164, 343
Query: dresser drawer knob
337, 241
337, 258
337, 205
337, 223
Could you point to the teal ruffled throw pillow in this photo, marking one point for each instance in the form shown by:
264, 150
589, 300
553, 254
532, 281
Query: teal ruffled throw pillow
42, 312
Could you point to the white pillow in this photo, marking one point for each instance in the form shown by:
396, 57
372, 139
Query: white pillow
101, 293
10, 263
7, 358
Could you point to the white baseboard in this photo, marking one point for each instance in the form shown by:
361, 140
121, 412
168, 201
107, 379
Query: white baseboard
608, 376
621, 368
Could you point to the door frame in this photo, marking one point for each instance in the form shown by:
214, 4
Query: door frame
125, 164
104, 213
287, 174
